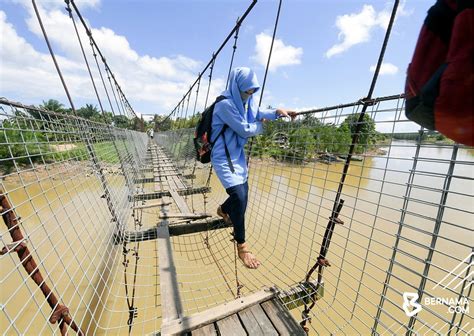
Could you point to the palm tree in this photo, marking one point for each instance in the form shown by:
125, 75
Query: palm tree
53, 105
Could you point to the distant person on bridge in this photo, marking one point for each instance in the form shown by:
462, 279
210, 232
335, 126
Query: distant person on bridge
243, 119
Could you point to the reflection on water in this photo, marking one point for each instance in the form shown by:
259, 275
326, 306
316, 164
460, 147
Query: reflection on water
288, 212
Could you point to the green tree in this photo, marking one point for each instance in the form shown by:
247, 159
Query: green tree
162, 123
89, 112
301, 145
121, 121
367, 133
53, 105
21, 145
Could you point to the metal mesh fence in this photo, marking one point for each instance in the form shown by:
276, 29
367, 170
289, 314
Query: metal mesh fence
407, 212
407, 224
79, 212
65, 186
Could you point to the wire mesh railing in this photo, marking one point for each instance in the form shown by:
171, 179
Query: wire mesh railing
401, 244
67, 183
406, 228
407, 204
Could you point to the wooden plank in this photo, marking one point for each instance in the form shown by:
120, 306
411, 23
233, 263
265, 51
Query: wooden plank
161, 193
174, 230
184, 215
151, 205
171, 183
256, 322
281, 318
180, 202
169, 289
198, 226
144, 180
212, 315
231, 326
208, 330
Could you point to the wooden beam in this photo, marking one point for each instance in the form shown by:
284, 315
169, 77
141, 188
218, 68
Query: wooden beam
189, 215
198, 226
212, 315
144, 180
174, 230
169, 290
209, 330
151, 205
180, 202
160, 194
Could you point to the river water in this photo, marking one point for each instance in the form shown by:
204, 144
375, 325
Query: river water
68, 225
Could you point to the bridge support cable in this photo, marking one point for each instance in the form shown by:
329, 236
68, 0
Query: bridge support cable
61, 313
322, 262
215, 54
104, 117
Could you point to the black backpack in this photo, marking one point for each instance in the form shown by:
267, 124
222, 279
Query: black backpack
202, 136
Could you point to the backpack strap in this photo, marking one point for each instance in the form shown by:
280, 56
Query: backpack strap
224, 128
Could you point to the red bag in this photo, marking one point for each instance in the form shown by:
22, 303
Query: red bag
439, 88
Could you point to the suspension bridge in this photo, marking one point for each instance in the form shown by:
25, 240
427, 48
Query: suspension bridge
109, 231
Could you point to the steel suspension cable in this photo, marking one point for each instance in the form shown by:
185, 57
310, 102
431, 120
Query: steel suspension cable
234, 47
266, 73
45, 35
89, 33
338, 202
69, 10
216, 53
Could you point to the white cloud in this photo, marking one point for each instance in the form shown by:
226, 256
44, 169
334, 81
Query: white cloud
155, 84
386, 69
54, 4
356, 28
282, 54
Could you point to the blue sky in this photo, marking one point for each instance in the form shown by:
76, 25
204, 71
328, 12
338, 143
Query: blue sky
156, 48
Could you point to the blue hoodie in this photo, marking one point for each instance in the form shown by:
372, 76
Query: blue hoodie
242, 125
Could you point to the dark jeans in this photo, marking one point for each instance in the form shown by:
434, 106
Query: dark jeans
235, 207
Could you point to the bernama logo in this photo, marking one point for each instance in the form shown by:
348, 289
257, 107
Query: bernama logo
455, 305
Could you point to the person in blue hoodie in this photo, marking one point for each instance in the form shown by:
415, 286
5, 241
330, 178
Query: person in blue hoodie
243, 119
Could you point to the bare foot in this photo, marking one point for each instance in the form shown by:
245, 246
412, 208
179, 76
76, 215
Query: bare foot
249, 260
222, 214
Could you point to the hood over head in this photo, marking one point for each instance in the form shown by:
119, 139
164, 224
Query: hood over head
242, 79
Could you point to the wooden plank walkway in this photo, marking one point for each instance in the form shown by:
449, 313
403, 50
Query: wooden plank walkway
260, 313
